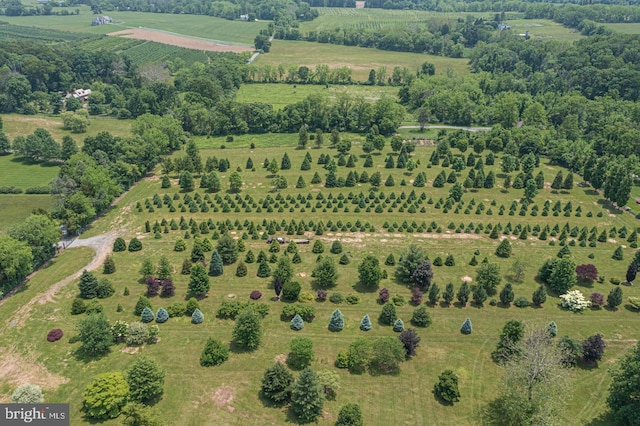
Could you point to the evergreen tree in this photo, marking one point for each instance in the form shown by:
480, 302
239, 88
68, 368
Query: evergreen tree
307, 398
434, 294
614, 299
398, 325
388, 315
109, 266
147, 315
215, 265
198, 280
479, 295
507, 295
214, 353
350, 415
447, 386
365, 324
336, 323
197, 317
557, 181
248, 329
164, 268
297, 323
539, 296
88, 285
146, 379
285, 164
448, 294
467, 327
277, 382
463, 294
568, 182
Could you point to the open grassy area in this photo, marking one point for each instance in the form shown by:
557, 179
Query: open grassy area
23, 125
18, 172
625, 28
15, 208
360, 59
228, 394
544, 28
281, 95
192, 25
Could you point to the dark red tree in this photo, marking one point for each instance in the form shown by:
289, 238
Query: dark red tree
593, 348
383, 295
587, 273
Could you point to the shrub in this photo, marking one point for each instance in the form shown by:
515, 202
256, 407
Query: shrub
301, 352
398, 325
336, 323
162, 315
54, 335
180, 245
336, 247
614, 299
241, 270
147, 315
383, 295
593, 348
552, 328
421, 317
137, 334
388, 315
504, 249
410, 340
109, 266
521, 302
197, 317
574, 301
291, 291
105, 396
176, 309
467, 327
398, 300
276, 383
104, 289
192, 305
142, 303
27, 394
416, 296
350, 415
634, 302
506, 295
336, 298
119, 245
353, 299
78, 306
135, 245
297, 323
447, 387
342, 359
322, 295
255, 295
388, 354
214, 353
596, 299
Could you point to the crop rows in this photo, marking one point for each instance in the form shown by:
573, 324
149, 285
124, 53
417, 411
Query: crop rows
112, 44
12, 32
156, 52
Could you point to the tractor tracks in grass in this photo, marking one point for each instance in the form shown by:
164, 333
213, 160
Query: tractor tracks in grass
478, 368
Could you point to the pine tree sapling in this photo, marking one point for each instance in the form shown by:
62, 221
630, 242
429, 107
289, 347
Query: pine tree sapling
421, 317
398, 325
146, 379
504, 249
365, 324
336, 323
350, 415
467, 327
192, 305
147, 315
197, 317
539, 296
216, 268
297, 323
162, 315
388, 315
614, 299
552, 328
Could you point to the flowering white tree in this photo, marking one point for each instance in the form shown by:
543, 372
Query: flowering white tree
574, 301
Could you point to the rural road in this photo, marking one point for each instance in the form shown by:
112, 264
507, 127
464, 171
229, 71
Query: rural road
102, 244
469, 129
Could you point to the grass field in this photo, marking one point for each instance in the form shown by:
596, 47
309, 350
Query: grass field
544, 28
15, 208
18, 172
23, 125
281, 95
360, 59
192, 25
228, 394
631, 28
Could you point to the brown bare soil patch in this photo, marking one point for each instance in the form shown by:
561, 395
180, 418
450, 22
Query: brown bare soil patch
180, 41
280, 358
223, 397
17, 370
467, 279
130, 350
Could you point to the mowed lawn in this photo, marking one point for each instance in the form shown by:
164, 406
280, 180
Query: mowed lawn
229, 394
544, 28
361, 60
625, 28
281, 95
18, 172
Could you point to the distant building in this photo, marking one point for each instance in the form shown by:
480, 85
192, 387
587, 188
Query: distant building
82, 94
244, 17
101, 20
504, 27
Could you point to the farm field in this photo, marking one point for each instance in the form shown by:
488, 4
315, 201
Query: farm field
281, 95
191, 25
544, 28
228, 394
360, 59
18, 172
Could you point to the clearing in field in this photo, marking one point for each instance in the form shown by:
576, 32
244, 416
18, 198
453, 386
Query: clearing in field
360, 59
180, 40
545, 29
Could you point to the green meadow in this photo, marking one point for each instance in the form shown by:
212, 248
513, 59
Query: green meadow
360, 59
229, 394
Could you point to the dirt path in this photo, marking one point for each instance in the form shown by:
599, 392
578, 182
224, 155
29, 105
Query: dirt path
102, 244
